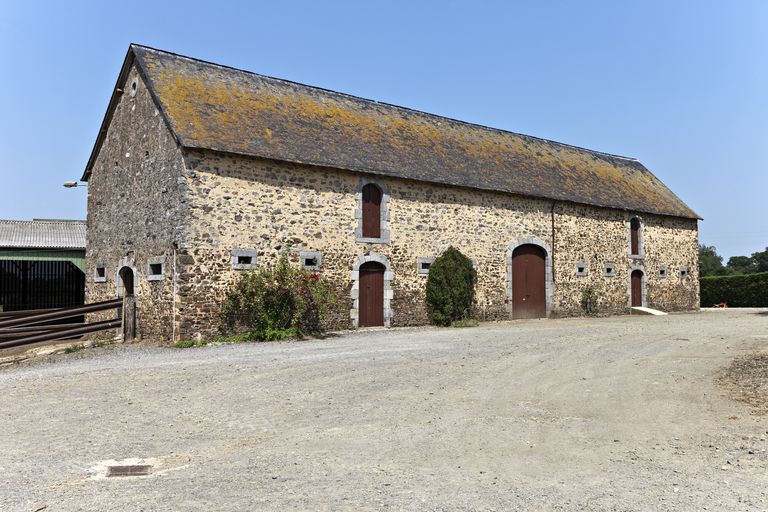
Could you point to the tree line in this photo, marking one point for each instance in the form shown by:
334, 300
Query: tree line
711, 263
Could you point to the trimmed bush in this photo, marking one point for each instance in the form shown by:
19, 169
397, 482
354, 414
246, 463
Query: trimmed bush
277, 300
450, 287
748, 290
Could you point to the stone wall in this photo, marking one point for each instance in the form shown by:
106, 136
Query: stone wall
597, 236
134, 206
237, 202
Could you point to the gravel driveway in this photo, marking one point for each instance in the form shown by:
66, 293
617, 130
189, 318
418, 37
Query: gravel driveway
623, 413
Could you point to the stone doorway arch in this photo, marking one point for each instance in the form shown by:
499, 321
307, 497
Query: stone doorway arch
529, 284
360, 269
636, 288
543, 249
371, 294
126, 281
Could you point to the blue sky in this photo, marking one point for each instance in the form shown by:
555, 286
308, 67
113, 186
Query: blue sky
682, 86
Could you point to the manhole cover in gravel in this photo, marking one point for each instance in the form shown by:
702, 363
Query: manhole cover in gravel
129, 470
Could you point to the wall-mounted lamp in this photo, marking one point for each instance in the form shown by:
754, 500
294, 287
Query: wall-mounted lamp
73, 184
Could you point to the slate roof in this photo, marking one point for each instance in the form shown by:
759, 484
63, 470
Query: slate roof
213, 107
42, 234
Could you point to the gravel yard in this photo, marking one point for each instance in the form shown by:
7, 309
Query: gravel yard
621, 413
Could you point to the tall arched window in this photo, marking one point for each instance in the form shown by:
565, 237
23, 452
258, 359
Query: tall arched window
634, 236
371, 211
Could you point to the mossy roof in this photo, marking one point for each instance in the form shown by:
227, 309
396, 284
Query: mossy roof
213, 107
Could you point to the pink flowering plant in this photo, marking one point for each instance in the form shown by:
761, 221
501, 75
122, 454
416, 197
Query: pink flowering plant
277, 302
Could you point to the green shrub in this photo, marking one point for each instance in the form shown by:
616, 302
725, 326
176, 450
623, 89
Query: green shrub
748, 290
268, 303
450, 287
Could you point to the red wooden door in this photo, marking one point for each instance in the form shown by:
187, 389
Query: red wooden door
634, 241
637, 288
529, 298
371, 211
371, 298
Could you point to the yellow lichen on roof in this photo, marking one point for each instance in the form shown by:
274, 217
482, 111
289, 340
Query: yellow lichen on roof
213, 107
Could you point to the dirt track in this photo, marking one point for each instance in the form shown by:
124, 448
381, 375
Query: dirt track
624, 413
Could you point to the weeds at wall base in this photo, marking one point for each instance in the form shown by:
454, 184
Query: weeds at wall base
466, 322
251, 336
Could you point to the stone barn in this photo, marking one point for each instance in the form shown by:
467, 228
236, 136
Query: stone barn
201, 171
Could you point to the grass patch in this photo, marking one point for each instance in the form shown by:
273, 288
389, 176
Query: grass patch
267, 334
103, 343
72, 349
465, 322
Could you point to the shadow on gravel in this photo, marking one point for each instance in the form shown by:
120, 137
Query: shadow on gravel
746, 380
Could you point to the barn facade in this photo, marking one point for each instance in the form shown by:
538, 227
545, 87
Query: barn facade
201, 172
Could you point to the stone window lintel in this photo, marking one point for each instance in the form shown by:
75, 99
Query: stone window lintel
384, 225
238, 253
309, 255
421, 260
100, 278
158, 260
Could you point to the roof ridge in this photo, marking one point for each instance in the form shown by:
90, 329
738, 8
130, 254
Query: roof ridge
399, 107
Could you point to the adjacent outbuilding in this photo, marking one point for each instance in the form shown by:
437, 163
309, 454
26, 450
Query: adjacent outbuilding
42, 264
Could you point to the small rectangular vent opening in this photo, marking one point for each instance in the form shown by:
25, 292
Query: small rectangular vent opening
155, 269
101, 272
310, 262
245, 260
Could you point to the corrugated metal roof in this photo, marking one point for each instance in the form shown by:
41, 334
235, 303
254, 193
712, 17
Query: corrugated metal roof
42, 234
208, 106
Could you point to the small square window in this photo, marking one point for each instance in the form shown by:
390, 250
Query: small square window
609, 270
683, 271
100, 273
662, 271
581, 269
311, 260
243, 259
423, 265
155, 268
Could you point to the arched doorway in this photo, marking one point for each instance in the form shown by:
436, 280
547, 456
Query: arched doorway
529, 299
125, 290
636, 279
371, 298
125, 284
